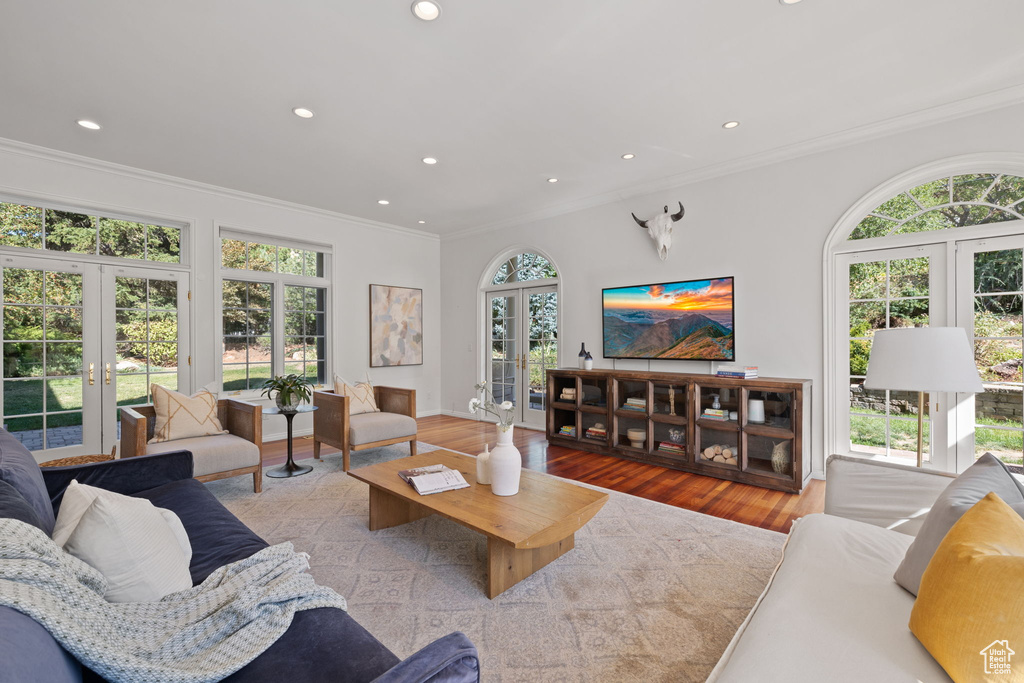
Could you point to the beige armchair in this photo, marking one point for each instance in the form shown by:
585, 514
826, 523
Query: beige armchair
395, 423
240, 451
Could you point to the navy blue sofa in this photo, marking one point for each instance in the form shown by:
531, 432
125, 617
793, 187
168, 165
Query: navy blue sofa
321, 645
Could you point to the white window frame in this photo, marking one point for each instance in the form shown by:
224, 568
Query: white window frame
938, 277
52, 259
837, 245
278, 281
185, 258
483, 324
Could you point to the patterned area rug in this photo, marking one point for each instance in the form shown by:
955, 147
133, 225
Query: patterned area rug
650, 593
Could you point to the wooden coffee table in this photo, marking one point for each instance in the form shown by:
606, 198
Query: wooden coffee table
524, 532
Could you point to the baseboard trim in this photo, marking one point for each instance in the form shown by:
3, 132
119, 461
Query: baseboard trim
459, 413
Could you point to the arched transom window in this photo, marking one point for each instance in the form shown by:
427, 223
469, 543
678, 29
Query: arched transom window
523, 267
950, 202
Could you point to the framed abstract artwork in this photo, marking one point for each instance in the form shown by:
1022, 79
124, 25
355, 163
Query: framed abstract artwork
396, 326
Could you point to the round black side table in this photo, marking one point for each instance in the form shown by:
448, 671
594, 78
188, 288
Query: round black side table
289, 469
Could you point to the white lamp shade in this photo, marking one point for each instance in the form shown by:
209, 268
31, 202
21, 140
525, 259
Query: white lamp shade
929, 359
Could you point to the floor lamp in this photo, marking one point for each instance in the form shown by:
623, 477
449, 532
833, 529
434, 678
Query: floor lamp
925, 360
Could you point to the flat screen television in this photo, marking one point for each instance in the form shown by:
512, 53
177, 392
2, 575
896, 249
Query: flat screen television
691, 320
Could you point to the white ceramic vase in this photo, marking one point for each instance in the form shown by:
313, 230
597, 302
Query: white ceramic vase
483, 467
506, 465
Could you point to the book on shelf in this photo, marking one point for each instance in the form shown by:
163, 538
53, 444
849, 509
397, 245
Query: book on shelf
715, 418
637, 402
566, 430
742, 372
670, 447
716, 411
433, 479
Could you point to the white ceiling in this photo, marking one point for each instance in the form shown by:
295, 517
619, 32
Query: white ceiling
505, 94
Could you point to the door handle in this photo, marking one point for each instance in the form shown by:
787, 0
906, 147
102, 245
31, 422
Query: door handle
524, 360
517, 360
92, 369
108, 373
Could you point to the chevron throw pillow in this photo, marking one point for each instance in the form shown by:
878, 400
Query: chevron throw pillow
181, 417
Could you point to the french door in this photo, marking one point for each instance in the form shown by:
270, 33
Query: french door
989, 293
523, 346
82, 339
877, 290
974, 284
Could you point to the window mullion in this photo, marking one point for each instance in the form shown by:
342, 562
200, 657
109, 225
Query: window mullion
277, 327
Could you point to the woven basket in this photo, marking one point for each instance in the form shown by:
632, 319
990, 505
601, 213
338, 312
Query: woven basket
76, 460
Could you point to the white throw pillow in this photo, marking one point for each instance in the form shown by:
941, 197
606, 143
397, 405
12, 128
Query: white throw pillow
182, 417
132, 545
360, 396
987, 475
78, 498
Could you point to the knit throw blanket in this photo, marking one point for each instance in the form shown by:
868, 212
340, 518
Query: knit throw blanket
201, 634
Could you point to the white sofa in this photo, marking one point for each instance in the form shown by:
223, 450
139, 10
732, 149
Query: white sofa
832, 611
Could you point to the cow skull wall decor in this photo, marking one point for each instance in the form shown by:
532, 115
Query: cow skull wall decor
660, 228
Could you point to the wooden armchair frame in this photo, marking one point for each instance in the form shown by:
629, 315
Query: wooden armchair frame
240, 418
331, 420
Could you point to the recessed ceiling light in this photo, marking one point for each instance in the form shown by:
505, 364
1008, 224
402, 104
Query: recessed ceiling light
426, 10
422, 222
302, 112
789, 2
383, 202
91, 125
430, 161
730, 124
628, 156
552, 180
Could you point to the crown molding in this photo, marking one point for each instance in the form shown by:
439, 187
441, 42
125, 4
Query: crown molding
47, 154
979, 104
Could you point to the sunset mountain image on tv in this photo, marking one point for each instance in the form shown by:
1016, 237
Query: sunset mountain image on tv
690, 320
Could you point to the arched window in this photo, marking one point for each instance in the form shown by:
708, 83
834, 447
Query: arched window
951, 202
948, 251
521, 303
523, 267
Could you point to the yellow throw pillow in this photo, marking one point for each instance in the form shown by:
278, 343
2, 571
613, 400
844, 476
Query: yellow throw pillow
360, 396
969, 613
181, 417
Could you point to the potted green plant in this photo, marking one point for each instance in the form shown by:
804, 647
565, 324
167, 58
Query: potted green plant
288, 390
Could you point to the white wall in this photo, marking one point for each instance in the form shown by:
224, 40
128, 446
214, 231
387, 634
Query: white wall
766, 226
364, 254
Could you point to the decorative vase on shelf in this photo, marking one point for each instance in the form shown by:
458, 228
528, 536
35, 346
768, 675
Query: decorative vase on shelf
483, 467
780, 457
755, 411
588, 362
583, 354
506, 465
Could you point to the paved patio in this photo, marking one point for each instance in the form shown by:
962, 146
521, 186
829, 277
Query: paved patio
56, 437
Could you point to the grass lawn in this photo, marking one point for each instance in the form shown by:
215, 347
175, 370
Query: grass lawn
28, 396
866, 430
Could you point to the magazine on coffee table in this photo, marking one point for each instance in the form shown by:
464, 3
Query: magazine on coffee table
433, 479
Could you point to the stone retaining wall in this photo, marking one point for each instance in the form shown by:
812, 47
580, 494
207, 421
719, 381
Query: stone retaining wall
998, 403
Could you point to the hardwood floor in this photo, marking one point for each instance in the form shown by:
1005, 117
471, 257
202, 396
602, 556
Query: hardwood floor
752, 505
